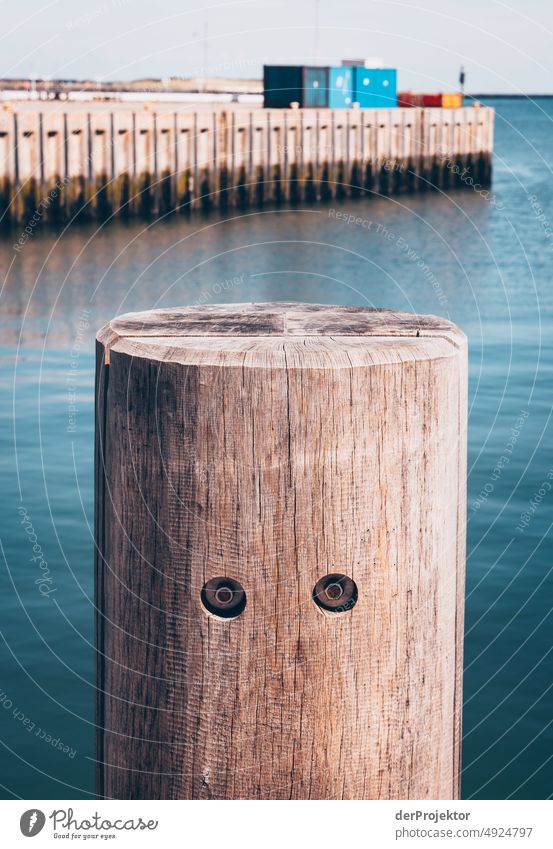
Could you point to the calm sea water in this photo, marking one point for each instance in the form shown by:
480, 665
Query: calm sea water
487, 266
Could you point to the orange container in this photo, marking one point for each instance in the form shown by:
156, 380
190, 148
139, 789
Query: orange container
452, 101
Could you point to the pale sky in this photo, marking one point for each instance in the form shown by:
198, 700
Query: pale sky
504, 46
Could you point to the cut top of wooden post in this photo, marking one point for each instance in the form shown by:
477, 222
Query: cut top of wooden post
292, 334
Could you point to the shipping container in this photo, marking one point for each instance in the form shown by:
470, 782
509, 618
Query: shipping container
315, 87
415, 98
452, 101
409, 98
386, 81
364, 87
368, 62
320, 87
286, 84
282, 85
375, 87
340, 87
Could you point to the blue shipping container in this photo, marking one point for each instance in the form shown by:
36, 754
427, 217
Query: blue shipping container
386, 81
340, 87
365, 87
375, 88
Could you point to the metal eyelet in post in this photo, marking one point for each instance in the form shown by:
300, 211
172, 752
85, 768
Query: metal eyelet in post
335, 593
223, 597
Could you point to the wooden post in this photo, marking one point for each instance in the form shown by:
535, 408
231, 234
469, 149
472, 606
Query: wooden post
280, 528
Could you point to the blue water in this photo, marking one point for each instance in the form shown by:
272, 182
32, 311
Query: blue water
487, 265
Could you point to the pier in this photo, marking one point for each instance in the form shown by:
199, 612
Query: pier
280, 558
59, 163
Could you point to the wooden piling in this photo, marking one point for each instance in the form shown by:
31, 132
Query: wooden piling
280, 532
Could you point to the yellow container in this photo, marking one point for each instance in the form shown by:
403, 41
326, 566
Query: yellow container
452, 101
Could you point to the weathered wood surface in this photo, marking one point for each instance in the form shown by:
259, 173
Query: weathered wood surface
275, 444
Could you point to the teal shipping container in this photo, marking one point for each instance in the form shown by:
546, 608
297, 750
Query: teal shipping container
282, 85
340, 87
285, 84
375, 88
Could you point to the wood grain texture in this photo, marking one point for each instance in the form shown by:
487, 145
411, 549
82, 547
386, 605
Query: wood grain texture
149, 162
275, 444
